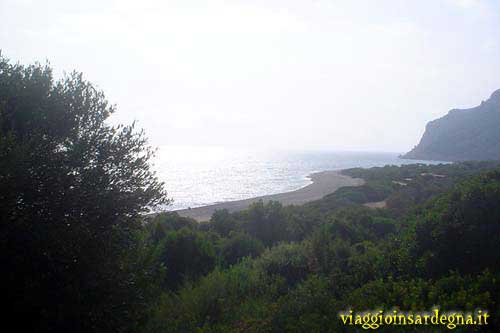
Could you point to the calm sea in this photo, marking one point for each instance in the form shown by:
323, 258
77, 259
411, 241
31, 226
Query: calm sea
199, 176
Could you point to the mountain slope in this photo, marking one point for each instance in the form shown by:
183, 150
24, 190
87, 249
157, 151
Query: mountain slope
470, 134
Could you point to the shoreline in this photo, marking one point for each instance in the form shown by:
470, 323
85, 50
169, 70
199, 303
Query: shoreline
323, 183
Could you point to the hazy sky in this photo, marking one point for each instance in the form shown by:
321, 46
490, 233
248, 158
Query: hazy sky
325, 74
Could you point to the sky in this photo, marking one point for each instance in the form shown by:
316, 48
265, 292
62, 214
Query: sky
363, 75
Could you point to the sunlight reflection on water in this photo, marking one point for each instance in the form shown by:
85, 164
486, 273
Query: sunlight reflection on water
201, 175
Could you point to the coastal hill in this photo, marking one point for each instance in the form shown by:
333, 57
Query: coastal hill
468, 134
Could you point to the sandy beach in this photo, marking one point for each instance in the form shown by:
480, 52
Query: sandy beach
323, 183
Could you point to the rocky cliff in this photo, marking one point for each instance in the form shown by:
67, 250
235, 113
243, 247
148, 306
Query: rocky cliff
469, 134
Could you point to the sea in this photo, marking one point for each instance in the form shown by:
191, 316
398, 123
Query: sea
197, 176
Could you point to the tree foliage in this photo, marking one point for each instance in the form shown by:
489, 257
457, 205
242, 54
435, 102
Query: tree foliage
79, 255
72, 189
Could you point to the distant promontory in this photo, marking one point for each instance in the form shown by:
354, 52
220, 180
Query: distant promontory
467, 134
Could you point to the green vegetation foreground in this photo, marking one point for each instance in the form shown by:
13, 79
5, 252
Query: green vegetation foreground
72, 189
78, 255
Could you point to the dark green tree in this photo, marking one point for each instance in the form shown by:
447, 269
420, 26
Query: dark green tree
222, 222
72, 188
266, 222
239, 246
461, 230
187, 255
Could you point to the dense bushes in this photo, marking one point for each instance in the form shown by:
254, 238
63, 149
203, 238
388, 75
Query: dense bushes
441, 252
78, 254
187, 255
239, 246
461, 230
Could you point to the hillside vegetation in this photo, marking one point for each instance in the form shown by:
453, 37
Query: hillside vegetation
79, 254
292, 269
